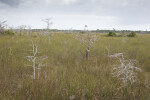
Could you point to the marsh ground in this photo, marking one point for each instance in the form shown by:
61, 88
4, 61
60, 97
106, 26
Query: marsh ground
67, 74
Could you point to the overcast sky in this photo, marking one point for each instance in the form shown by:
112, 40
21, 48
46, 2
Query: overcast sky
74, 14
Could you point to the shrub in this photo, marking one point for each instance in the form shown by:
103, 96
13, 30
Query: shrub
82, 32
132, 34
7, 32
111, 34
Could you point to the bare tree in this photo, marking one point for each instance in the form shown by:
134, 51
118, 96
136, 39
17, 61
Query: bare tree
21, 29
126, 71
28, 30
87, 40
35, 60
2, 26
49, 23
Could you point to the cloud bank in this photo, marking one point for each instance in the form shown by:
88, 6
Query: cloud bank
97, 14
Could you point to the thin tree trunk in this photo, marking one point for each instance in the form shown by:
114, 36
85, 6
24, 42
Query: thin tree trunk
34, 69
87, 53
49, 41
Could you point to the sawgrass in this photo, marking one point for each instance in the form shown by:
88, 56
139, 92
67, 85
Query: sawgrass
67, 73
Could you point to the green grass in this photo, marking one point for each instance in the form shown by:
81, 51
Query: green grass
67, 72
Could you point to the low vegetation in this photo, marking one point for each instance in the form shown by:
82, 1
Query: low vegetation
132, 34
113, 34
7, 32
67, 75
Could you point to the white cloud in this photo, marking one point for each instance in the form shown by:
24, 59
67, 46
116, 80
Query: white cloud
69, 1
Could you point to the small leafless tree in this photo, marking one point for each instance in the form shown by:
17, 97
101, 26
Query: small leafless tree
21, 29
87, 40
49, 23
37, 62
126, 71
2, 26
28, 30
33, 58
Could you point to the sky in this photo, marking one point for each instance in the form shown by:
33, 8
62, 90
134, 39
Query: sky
75, 14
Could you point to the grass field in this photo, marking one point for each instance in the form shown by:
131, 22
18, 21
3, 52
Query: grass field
67, 74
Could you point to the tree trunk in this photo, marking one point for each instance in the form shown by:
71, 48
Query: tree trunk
49, 41
87, 53
34, 68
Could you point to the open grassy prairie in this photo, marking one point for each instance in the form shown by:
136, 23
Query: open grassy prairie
67, 74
